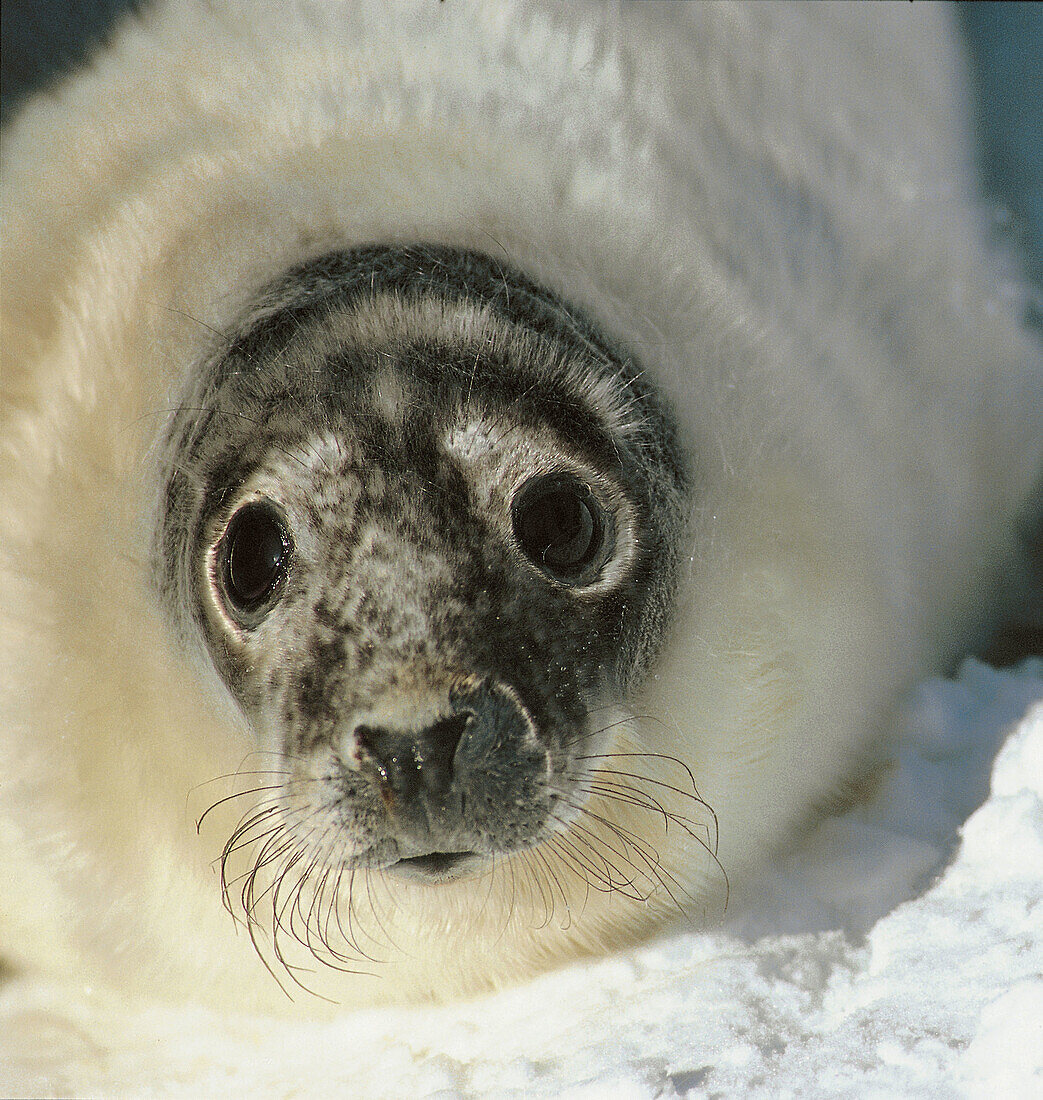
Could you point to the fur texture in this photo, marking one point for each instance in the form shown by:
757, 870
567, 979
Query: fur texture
770, 205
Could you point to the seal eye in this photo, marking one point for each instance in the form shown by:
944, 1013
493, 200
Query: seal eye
561, 528
255, 555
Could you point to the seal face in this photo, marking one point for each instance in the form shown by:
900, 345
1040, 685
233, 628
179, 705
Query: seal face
425, 520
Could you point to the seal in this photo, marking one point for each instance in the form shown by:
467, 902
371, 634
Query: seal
474, 486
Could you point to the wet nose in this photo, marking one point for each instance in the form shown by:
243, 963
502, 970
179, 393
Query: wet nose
414, 767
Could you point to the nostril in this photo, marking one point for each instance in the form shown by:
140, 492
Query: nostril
395, 759
446, 733
436, 748
372, 739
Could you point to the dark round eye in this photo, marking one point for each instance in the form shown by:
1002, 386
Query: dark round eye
255, 554
561, 528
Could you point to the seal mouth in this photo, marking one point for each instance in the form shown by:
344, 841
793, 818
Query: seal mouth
436, 866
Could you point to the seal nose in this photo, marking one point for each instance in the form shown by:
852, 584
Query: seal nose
453, 775
414, 768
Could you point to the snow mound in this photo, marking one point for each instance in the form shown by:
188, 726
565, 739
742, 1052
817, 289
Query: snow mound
834, 985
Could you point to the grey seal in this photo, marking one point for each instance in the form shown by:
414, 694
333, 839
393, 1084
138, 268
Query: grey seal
477, 480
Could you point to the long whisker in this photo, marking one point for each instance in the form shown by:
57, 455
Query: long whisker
229, 798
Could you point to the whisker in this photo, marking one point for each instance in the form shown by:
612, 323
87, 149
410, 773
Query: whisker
614, 880
229, 798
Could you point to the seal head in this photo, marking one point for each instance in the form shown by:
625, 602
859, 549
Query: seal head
424, 519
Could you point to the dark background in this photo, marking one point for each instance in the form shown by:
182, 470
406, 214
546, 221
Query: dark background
41, 39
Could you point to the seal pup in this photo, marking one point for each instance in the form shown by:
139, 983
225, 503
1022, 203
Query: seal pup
666, 334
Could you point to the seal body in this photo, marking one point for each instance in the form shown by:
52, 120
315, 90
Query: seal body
476, 478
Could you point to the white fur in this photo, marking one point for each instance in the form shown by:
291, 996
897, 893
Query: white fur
770, 204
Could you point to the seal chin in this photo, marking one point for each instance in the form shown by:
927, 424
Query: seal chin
436, 867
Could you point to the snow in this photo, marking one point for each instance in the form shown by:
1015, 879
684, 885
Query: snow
898, 952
